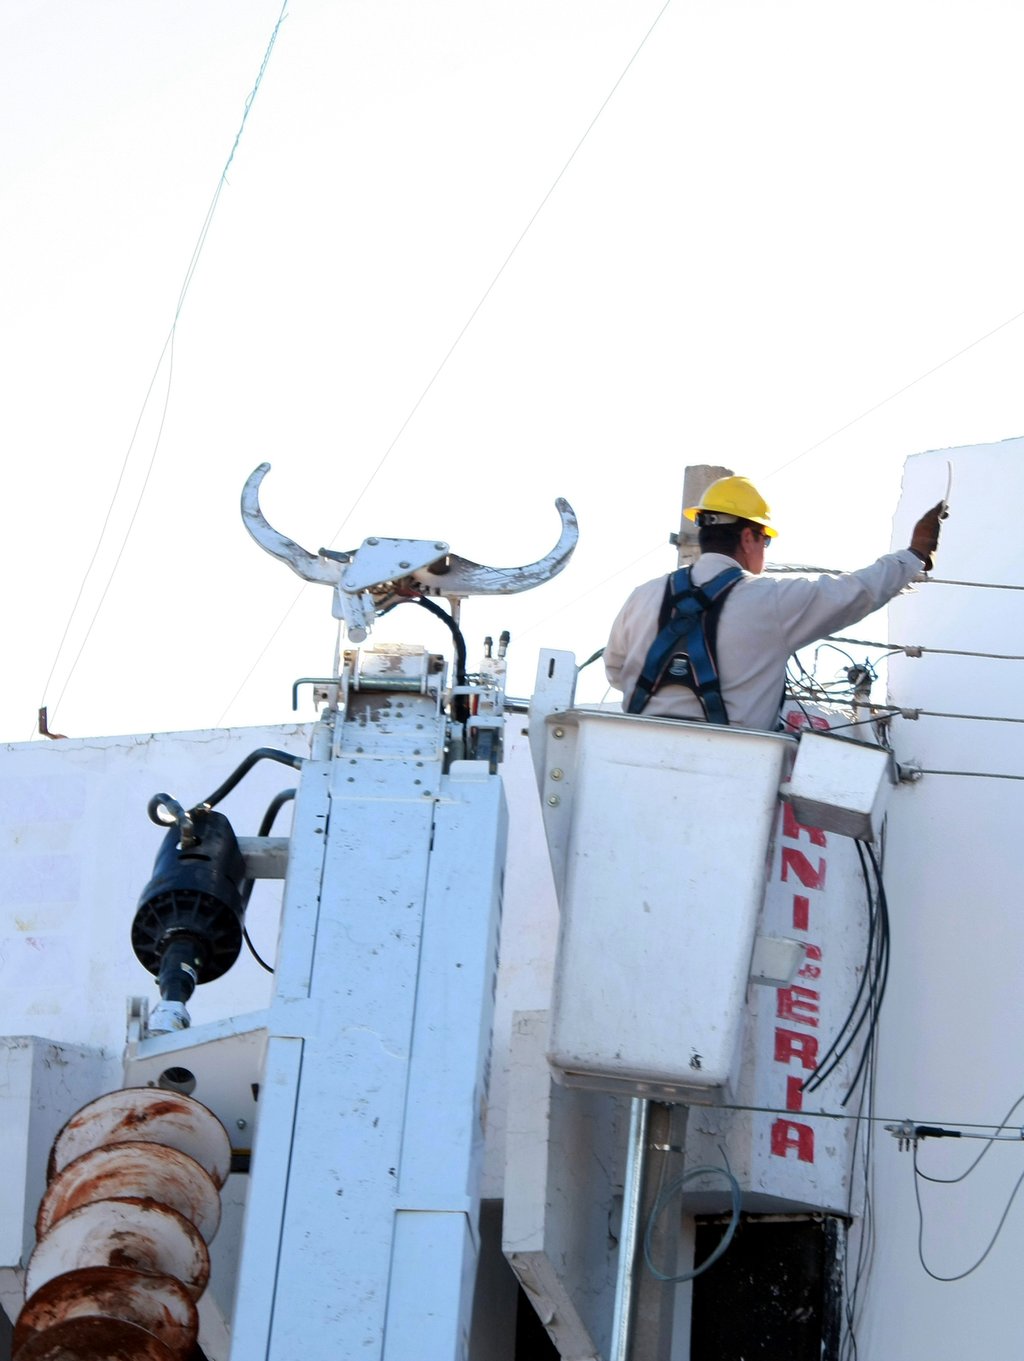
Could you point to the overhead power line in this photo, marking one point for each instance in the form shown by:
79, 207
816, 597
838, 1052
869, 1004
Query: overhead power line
167, 352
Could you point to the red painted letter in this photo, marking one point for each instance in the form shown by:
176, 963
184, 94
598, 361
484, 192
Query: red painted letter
787, 1134
791, 1044
801, 912
802, 868
798, 1004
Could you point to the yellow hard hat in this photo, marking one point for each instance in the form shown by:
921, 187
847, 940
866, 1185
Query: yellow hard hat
738, 497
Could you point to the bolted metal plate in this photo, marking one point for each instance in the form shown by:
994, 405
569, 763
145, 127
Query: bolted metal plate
129, 1232
150, 1115
160, 1304
143, 1170
95, 1339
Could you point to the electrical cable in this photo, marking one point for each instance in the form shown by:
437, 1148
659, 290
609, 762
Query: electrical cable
886, 1120
792, 682
662, 1200
873, 979
881, 976
951, 1181
961, 1275
923, 579
856, 1015
971, 774
866, 1237
466, 325
103, 529
932, 713
913, 650
980, 585
831, 643
779, 569
809, 681
882, 714
260, 655
167, 350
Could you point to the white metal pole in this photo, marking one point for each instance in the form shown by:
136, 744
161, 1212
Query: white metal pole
632, 1191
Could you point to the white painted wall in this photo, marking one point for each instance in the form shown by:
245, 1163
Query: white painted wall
76, 851
950, 1040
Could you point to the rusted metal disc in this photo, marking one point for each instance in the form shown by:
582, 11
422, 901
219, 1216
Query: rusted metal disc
129, 1232
94, 1339
145, 1171
147, 1115
160, 1304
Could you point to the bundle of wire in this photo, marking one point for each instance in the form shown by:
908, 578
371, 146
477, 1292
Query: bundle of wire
862, 1018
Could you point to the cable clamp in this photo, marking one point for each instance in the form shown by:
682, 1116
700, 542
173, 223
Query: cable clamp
905, 1134
908, 772
908, 1135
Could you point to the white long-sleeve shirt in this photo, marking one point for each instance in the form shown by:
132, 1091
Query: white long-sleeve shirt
763, 620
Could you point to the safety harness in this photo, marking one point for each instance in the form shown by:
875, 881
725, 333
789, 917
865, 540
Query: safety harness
683, 653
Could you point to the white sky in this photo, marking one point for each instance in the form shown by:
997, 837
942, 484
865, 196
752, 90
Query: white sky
785, 213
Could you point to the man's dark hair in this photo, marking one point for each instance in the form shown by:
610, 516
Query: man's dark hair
723, 538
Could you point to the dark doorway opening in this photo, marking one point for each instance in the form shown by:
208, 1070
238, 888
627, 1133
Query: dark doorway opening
776, 1293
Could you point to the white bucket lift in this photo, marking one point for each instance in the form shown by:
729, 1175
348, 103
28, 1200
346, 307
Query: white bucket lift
659, 833
662, 836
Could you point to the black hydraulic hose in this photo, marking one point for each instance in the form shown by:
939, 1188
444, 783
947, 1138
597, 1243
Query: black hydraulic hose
456, 632
273, 808
460, 704
260, 754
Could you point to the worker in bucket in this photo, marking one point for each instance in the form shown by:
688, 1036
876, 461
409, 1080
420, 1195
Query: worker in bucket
712, 641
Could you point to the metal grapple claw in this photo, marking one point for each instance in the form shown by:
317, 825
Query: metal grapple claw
383, 571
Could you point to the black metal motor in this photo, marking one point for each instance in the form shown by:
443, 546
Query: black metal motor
188, 924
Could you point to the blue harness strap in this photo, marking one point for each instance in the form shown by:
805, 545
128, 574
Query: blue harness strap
683, 653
